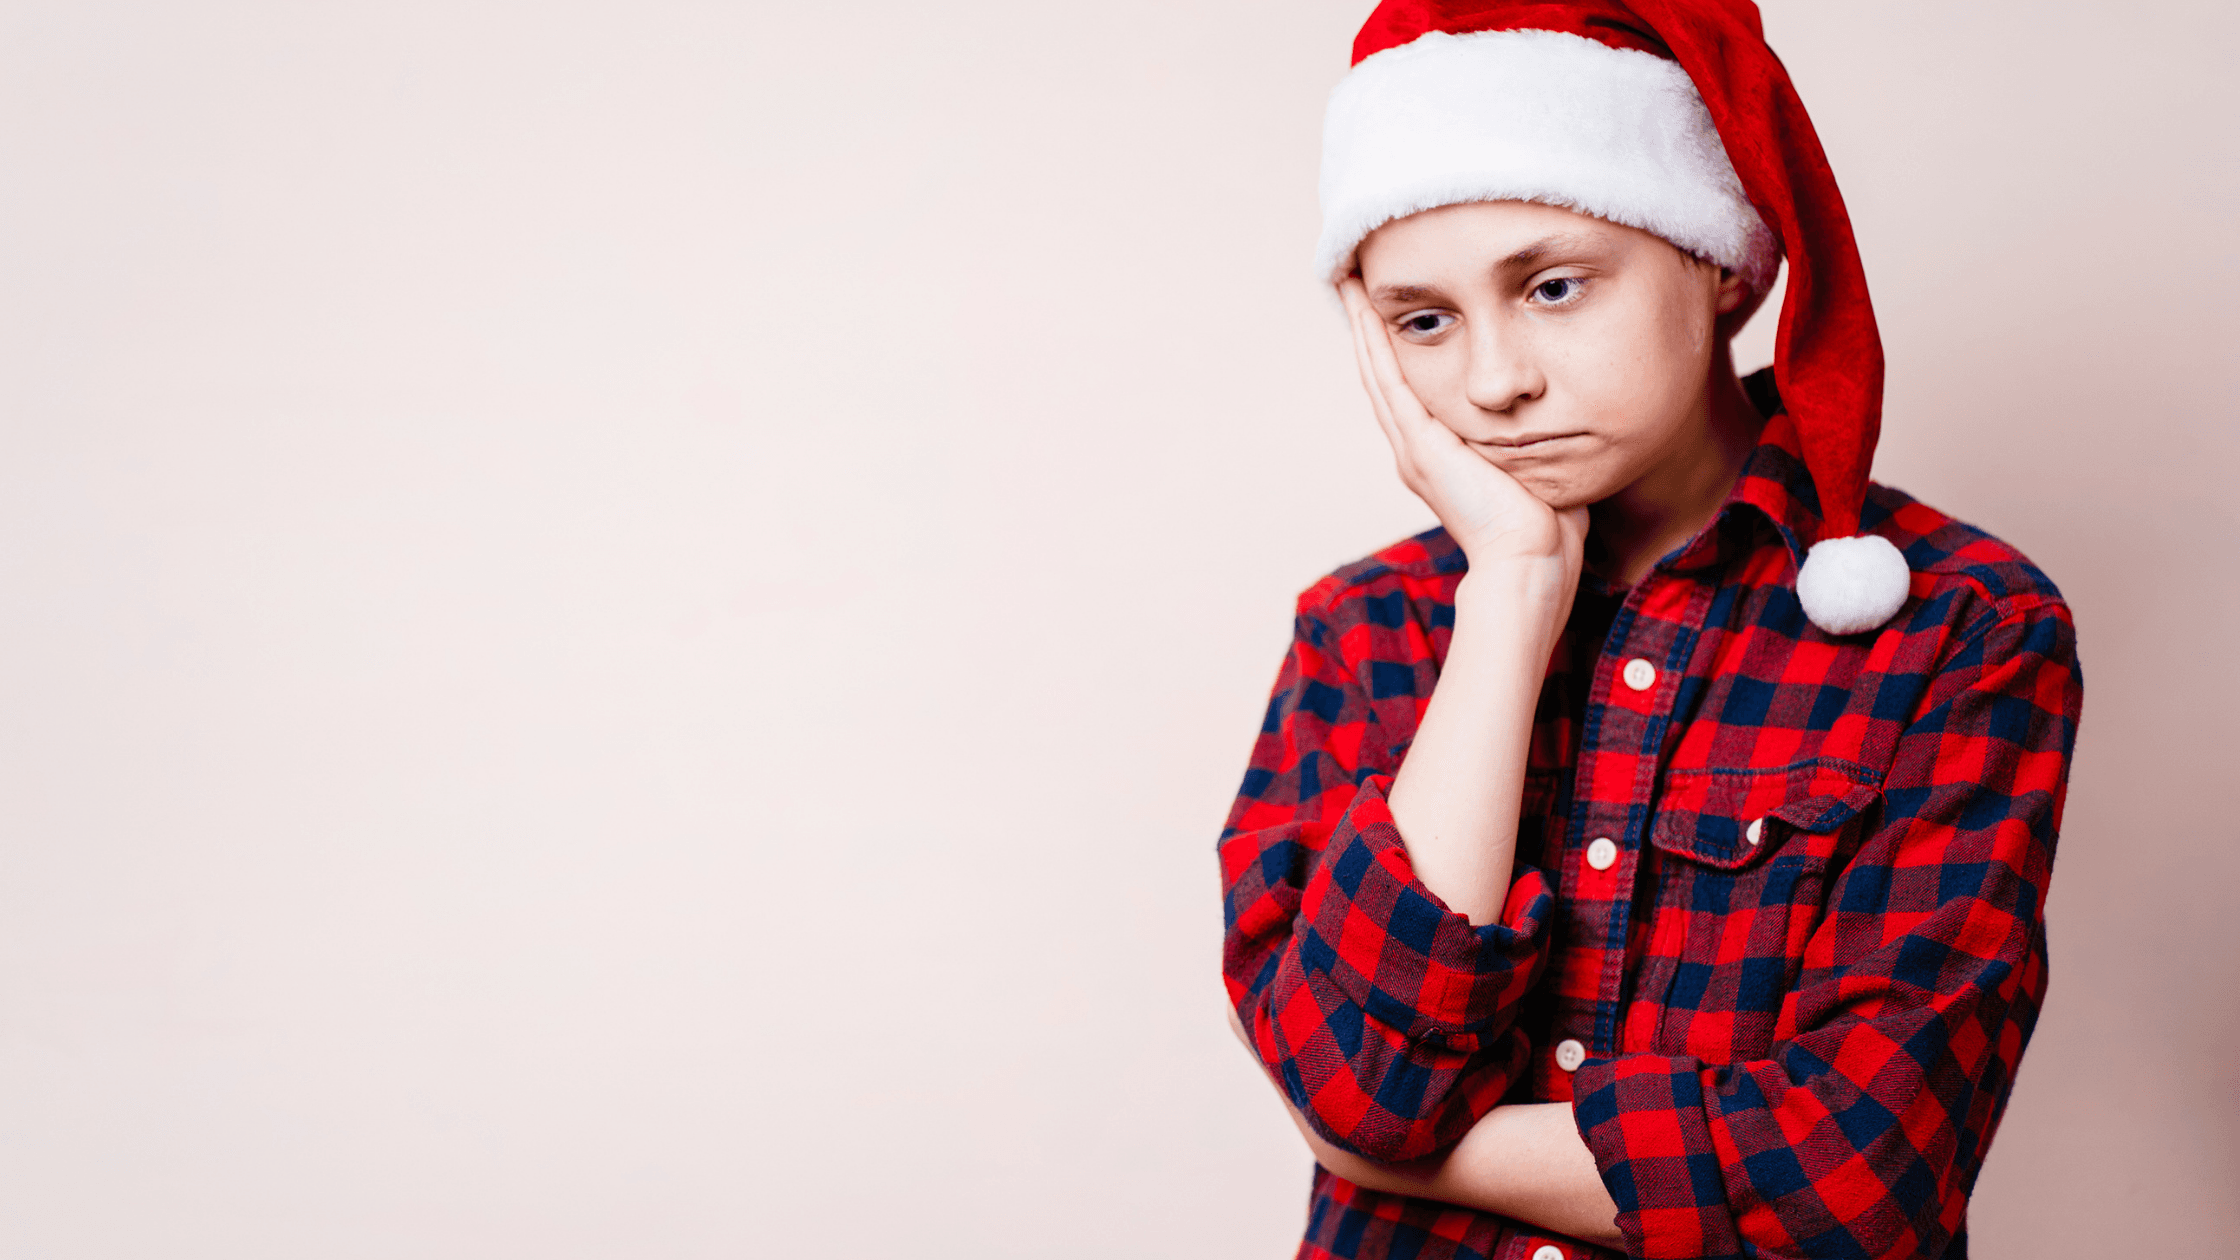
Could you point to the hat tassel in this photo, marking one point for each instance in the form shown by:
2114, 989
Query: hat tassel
1849, 585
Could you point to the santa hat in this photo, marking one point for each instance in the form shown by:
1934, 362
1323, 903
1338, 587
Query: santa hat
1672, 116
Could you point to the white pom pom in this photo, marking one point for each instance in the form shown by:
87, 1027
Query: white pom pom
1853, 584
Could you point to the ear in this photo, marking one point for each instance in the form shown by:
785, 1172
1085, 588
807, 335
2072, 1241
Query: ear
1735, 302
1732, 291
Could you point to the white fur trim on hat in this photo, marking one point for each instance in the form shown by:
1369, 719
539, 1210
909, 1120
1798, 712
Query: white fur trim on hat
1532, 116
1852, 584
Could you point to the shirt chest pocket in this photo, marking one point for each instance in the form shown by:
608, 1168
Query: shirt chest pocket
1742, 862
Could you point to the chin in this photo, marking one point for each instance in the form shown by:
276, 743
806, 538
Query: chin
1580, 481
1560, 493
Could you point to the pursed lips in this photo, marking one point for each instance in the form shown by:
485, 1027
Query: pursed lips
1521, 445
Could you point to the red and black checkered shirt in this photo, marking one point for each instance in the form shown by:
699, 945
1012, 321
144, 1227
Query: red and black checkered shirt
1778, 896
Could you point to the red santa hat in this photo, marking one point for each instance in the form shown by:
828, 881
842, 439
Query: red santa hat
1672, 116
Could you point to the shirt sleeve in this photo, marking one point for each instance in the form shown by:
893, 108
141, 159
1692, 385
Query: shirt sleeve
1387, 1018
1862, 1131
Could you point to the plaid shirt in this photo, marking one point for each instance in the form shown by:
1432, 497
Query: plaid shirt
1776, 924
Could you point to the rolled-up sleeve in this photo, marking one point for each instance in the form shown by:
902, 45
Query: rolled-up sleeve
1862, 1130
1386, 1017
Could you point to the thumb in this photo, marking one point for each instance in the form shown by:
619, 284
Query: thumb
1573, 522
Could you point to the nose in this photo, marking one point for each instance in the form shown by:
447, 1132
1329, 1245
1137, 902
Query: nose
1503, 369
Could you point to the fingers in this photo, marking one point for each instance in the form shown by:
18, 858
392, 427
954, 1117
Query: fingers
1361, 316
1419, 441
1408, 412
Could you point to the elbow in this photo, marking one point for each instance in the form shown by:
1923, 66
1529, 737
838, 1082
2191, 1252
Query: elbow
1395, 1100
1380, 1140
1392, 1115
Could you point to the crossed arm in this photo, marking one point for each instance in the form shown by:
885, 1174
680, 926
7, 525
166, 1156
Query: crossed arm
1524, 1161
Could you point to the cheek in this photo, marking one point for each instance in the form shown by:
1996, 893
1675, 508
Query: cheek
1436, 375
1635, 389
1640, 376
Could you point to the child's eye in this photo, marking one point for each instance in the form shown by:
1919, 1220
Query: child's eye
1425, 323
1559, 291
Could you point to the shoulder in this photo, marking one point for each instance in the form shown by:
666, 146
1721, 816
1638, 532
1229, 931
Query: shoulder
1965, 579
1411, 579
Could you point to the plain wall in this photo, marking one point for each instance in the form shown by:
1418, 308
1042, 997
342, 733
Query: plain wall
628, 625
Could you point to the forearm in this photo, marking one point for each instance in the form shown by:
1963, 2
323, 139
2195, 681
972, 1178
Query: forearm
1457, 795
1527, 1161
1524, 1161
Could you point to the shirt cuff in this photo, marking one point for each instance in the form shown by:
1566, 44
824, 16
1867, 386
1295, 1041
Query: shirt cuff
1643, 1118
1393, 948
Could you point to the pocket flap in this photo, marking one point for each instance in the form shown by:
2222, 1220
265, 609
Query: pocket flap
1824, 812
1732, 818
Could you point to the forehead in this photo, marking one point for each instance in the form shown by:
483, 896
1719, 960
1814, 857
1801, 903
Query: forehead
1475, 236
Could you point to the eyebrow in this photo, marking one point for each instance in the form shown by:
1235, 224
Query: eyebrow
1541, 248
1518, 261
1409, 293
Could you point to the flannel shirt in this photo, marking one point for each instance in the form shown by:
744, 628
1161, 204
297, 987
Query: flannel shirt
1777, 903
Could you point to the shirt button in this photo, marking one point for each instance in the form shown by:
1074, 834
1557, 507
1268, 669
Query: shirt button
1640, 674
1570, 1054
1547, 1253
1603, 854
1757, 826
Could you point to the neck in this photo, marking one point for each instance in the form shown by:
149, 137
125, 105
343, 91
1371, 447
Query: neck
1641, 523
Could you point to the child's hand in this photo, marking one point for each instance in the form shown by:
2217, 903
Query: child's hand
1495, 520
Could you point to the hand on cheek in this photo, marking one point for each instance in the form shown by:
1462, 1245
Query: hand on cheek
1492, 517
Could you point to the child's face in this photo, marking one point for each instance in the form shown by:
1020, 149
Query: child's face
1571, 352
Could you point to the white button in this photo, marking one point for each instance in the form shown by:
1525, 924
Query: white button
1602, 854
1757, 825
1640, 674
1547, 1253
1570, 1054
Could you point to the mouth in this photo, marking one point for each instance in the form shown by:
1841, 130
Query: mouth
1530, 443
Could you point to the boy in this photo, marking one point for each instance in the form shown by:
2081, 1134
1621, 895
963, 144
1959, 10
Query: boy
1698, 909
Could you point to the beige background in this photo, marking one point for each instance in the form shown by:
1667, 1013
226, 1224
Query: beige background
628, 625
